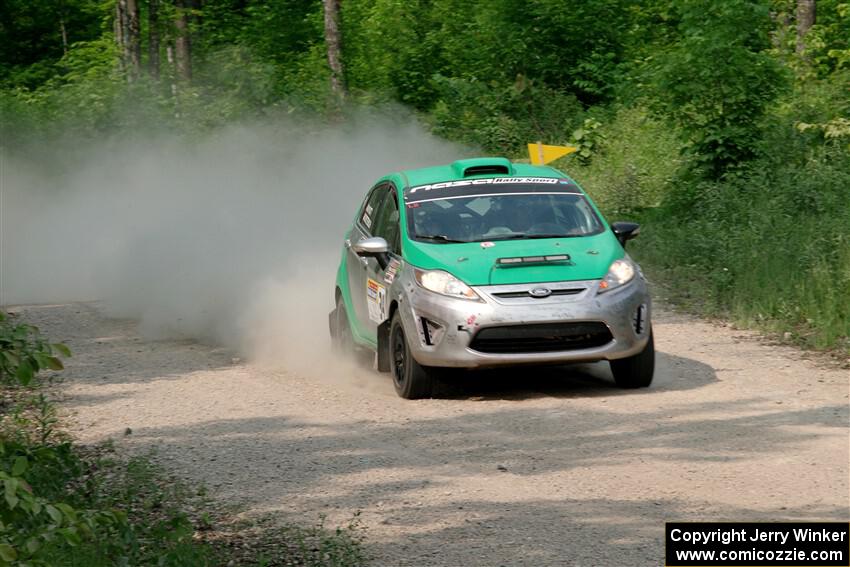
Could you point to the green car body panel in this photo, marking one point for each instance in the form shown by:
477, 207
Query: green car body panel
591, 257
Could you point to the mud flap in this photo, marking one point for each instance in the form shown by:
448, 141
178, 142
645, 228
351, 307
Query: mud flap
382, 356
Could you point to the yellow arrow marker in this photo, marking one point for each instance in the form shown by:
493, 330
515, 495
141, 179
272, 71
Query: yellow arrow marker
541, 154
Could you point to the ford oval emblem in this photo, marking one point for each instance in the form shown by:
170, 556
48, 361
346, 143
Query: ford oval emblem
540, 292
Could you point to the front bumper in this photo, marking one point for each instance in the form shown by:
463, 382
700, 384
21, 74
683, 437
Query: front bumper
442, 331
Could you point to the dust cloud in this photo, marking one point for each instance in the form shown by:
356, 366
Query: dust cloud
234, 238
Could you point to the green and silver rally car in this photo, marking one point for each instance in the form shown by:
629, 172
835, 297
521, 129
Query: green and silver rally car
485, 263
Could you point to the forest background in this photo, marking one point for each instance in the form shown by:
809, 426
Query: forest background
721, 125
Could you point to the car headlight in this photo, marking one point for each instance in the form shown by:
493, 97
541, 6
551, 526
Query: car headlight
444, 283
620, 273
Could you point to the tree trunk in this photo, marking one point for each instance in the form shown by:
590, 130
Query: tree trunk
153, 38
183, 41
121, 31
169, 54
64, 33
133, 40
805, 20
333, 40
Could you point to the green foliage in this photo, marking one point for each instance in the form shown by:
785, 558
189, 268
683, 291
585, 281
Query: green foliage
636, 160
821, 110
34, 530
717, 81
313, 546
31, 42
406, 49
392, 51
252, 55
61, 508
828, 42
587, 139
24, 352
318, 545
503, 118
768, 246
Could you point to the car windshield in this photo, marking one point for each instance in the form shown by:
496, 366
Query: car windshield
503, 216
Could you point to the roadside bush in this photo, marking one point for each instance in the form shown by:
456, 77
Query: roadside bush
54, 511
780, 226
35, 530
36, 520
634, 163
768, 247
24, 352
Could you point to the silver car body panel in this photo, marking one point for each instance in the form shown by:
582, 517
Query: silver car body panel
440, 329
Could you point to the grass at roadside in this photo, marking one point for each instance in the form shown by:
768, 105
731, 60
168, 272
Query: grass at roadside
769, 291
68, 505
767, 250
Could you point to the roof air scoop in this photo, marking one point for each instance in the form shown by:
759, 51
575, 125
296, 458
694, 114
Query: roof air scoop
483, 166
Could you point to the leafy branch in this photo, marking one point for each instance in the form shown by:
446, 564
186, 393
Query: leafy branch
24, 352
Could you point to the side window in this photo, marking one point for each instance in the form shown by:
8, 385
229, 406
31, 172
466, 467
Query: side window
387, 223
370, 208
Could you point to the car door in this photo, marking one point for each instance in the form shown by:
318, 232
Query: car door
357, 266
378, 280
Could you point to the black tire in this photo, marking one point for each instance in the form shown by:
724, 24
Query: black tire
411, 380
343, 342
636, 371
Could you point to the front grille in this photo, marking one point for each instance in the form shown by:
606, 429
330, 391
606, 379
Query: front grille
541, 337
521, 294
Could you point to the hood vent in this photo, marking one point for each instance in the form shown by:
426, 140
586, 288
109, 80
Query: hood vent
485, 170
483, 166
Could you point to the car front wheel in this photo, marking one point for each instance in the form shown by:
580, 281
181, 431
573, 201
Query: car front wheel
411, 380
636, 371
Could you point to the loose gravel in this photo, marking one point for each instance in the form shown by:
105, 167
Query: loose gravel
530, 467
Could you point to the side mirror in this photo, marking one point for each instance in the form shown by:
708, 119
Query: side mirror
373, 247
625, 231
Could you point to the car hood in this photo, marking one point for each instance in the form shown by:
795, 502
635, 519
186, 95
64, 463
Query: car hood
474, 264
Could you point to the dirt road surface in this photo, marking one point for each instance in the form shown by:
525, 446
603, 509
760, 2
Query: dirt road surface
527, 467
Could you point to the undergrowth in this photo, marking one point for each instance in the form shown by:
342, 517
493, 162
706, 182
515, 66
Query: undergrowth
766, 246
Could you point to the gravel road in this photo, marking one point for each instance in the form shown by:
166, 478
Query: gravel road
527, 467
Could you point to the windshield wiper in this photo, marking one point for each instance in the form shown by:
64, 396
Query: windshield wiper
524, 236
439, 238
535, 235
507, 236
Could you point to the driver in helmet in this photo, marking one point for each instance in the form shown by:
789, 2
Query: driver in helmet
526, 211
